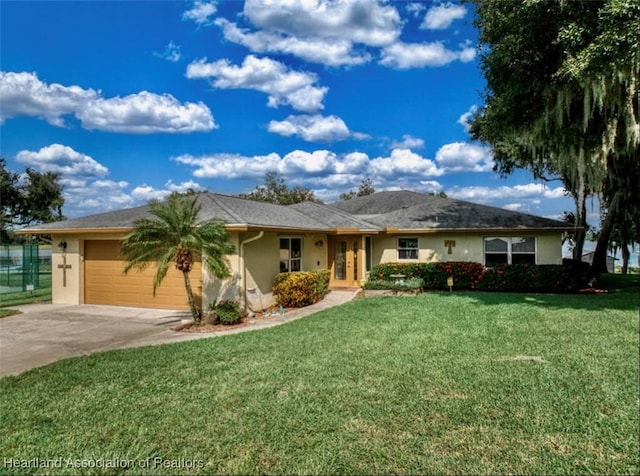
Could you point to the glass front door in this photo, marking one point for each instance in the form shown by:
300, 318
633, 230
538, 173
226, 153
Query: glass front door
345, 254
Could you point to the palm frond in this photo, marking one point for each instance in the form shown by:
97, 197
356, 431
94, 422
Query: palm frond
175, 233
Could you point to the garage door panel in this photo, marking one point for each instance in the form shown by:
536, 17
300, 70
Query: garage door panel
106, 284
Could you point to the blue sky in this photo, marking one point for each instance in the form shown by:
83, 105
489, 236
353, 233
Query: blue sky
133, 100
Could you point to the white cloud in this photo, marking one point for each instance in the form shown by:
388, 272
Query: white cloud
465, 117
23, 94
231, 166
62, 159
145, 193
484, 194
284, 86
85, 196
302, 165
408, 142
170, 53
368, 22
336, 52
515, 207
429, 186
441, 16
403, 162
314, 128
415, 8
146, 113
464, 157
333, 33
309, 163
201, 12
322, 165
418, 55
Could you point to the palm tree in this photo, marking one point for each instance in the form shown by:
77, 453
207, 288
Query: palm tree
175, 236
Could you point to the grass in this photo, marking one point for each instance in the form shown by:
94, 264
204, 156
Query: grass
42, 294
439, 383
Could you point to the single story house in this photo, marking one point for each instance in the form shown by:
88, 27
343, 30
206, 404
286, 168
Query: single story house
348, 238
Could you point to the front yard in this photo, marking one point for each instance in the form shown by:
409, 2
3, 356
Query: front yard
438, 383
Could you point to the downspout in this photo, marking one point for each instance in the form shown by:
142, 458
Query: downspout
244, 267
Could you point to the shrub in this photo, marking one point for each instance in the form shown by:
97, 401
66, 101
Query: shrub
228, 312
569, 277
548, 278
411, 284
465, 274
301, 288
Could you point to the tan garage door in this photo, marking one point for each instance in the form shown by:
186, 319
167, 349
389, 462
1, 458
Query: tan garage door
104, 282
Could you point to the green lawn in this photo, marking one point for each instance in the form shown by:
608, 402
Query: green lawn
439, 383
42, 294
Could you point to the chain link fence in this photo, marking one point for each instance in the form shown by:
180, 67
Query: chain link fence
24, 267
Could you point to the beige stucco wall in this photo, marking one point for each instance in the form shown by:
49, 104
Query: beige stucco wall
261, 259
431, 248
549, 248
72, 293
467, 247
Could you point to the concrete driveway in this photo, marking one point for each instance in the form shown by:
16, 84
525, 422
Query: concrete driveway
45, 333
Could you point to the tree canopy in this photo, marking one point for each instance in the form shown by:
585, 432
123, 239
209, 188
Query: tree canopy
275, 190
562, 95
365, 188
28, 199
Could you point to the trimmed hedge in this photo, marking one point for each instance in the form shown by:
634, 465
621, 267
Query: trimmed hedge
301, 288
411, 284
469, 275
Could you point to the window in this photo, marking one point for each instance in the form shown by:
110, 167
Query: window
368, 252
290, 254
407, 248
514, 250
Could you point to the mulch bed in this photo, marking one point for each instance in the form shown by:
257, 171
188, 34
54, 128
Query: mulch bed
203, 327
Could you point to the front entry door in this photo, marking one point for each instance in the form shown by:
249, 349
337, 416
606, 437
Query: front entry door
345, 257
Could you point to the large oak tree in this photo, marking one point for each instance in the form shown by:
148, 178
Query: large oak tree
562, 97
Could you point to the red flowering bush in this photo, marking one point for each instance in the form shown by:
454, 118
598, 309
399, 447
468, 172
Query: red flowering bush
547, 278
474, 276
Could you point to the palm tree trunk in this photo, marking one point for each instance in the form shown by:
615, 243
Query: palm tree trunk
195, 313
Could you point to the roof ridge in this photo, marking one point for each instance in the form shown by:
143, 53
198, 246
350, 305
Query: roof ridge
214, 197
351, 216
336, 211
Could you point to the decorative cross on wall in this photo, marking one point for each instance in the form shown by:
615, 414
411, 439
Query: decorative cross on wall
64, 267
450, 244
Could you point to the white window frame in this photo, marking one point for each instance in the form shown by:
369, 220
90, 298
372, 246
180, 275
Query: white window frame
510, 252
408, 249
290, 259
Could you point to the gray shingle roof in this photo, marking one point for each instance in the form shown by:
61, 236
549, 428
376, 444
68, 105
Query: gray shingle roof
333, 217
381, 202
411, 210
403, 210
233, 210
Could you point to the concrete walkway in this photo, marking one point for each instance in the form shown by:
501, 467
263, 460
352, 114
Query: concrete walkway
45, 333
